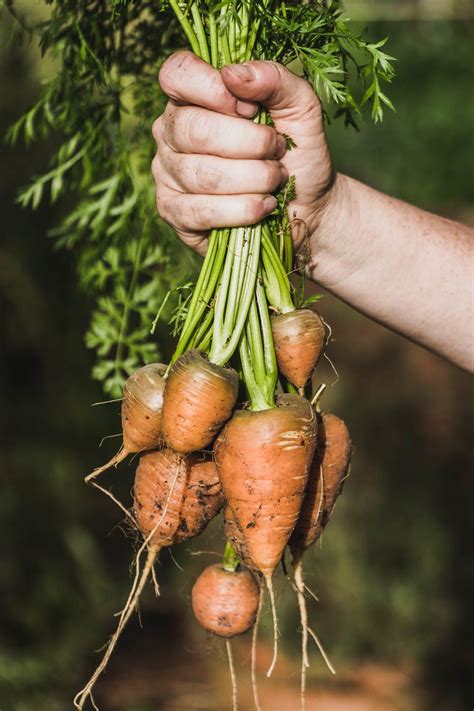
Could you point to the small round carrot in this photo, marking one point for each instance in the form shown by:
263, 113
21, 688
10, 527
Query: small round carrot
199, 398
225, 602
142, 406
299, 339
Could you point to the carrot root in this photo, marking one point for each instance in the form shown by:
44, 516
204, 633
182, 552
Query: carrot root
137, 588
108, 493
300, 588
233, 677
269, 584
322, 650
116, 459
253, 667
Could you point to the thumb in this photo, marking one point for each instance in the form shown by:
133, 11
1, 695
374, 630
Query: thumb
292, 103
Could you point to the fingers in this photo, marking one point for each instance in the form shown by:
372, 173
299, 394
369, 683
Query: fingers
289, 98
188, 79
200, 213
190, 129
202, 174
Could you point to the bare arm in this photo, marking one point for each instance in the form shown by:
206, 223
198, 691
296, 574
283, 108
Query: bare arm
406, 268
403, 267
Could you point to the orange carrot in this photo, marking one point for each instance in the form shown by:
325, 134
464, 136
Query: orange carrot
142, 407
175, 498
199, 398
225, 602
299, 338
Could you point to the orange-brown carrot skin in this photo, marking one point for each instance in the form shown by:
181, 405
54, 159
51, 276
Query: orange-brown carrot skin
299, 338
333, 455
199, 399
195, 498
225, 603
142, 408
263, 459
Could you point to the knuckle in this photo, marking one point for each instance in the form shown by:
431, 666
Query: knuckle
201, 216
196, 128
206, 176
173, 69
157, 129
156, 167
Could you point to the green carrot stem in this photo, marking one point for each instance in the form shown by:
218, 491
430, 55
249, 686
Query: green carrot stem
187, 27
277, 283
206, 291
256, 396
222, 352
238, 268
271, 365
223, 291
255, 342
224, 42
231, 559
201, 334
200, 33
213, 39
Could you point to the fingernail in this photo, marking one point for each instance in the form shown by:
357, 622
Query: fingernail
244, 72
269, 203
281, 146
245, 109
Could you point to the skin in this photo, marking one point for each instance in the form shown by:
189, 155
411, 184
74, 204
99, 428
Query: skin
403, 267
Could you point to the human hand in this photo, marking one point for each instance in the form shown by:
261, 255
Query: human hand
215, 168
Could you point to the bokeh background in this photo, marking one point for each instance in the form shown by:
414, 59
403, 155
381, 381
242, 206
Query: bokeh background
392, 573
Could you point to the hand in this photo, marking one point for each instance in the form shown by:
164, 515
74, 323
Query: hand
215, 168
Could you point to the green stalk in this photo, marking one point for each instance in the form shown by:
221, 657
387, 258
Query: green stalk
240, 259
207, 282
257, 398
213, 40
200, 33
221, 352
277, 283
271, 365
224, 42
231, 559
187, 28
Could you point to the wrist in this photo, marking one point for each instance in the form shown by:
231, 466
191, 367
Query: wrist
331, 234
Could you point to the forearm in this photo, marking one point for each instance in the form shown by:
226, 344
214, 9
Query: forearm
404, 267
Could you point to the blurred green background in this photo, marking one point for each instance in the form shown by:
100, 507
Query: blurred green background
392, 574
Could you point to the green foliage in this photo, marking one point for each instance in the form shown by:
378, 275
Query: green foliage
98, 107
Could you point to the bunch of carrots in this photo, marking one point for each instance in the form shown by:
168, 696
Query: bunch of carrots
231, 423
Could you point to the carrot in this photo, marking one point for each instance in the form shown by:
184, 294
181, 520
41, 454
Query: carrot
225, 602
175, 498
142, 406
199, 398
325, 483
263, 458
299, 338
